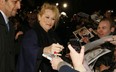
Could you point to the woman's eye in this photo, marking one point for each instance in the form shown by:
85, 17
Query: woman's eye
47, 17
14, 2
53, 19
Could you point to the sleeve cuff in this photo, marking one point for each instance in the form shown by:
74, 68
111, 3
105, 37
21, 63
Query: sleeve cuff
62, 64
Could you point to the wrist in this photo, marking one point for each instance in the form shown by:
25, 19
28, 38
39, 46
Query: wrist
80, 68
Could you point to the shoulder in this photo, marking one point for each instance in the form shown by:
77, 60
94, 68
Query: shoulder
2, 20
30, 35
30, 32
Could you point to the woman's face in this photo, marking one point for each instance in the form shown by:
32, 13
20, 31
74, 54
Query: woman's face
47, 20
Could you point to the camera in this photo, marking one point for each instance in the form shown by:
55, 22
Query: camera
75, 43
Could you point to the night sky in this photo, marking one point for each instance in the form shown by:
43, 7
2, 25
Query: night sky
74, 6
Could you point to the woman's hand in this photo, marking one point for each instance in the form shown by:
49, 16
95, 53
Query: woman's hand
54, 48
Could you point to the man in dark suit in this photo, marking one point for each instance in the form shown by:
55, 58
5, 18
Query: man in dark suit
8, 8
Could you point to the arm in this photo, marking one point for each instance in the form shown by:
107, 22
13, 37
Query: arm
62, 66
29, 52
77, 59
18, 34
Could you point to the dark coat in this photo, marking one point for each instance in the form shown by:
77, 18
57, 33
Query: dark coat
6, 47
66, 68
33, 43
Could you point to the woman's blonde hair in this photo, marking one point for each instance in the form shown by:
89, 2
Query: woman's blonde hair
51, 7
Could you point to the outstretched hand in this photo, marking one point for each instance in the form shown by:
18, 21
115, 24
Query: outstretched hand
112, 40
54, 48
77, 58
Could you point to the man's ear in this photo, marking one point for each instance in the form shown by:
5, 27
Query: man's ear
112, 29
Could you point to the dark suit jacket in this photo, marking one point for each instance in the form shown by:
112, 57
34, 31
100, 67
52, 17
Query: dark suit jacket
6, 47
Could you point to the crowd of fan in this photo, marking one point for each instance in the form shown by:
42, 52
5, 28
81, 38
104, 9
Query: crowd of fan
65, 28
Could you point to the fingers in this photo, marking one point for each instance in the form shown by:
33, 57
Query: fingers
82, 50
55, 61
56, 48
70, 47
111, 40
59, 46
114, 38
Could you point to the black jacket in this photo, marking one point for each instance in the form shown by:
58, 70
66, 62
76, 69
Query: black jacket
6, 47
30, 58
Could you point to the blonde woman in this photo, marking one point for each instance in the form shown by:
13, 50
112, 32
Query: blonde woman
40, 39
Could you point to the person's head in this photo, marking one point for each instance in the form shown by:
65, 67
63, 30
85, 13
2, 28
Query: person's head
108, 13
105, 27
48, 16
10, 7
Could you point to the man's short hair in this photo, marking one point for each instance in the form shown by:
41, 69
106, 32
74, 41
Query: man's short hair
112, 23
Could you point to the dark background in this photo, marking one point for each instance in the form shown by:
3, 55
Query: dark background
74, 6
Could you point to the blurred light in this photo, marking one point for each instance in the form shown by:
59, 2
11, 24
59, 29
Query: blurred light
114, 20
110, 11
65, 5
30, 12
57, 4
63, 13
